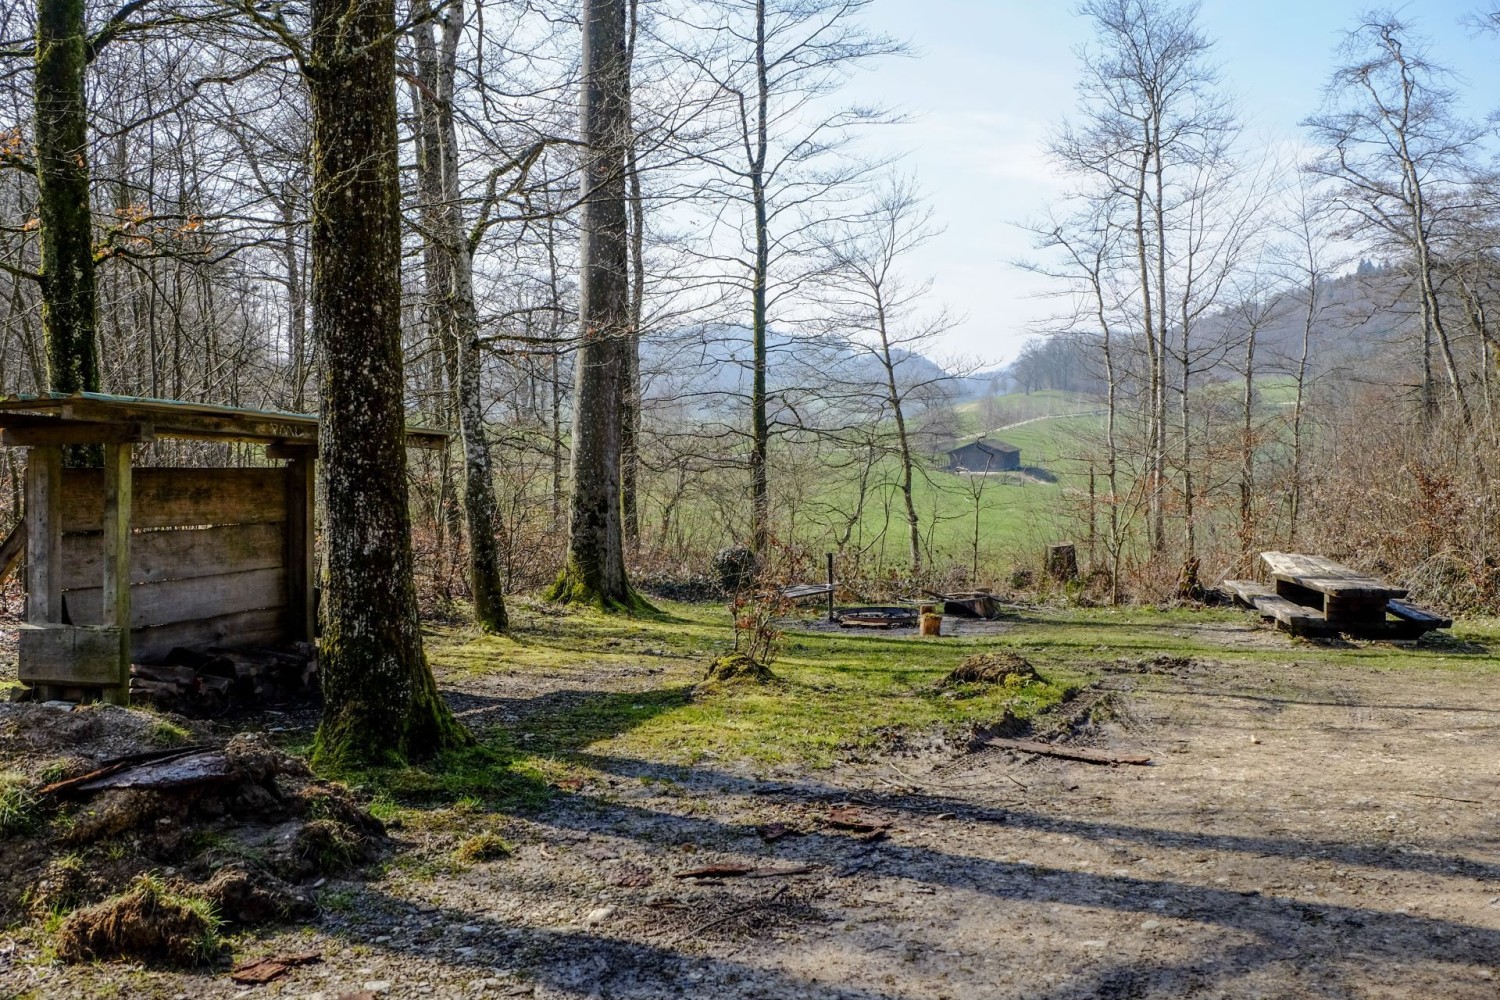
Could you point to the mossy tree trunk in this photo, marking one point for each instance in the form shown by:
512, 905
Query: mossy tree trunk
450, 281
595, 568
62, 173
381, 703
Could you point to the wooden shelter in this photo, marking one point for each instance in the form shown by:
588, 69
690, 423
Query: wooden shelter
984, 456
125, 564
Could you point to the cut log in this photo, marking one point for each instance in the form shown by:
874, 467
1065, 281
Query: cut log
1062, 562
1083, 754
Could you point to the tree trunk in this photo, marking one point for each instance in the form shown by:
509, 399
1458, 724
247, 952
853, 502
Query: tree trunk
760, 430
381, 703
451, 288
595, 569
62, 173
630, 446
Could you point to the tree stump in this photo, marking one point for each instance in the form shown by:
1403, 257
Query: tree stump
1062, 562
932, 624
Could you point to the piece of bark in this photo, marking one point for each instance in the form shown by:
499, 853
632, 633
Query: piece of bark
265, 970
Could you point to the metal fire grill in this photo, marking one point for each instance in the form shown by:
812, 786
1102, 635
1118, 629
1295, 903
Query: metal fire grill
877, 617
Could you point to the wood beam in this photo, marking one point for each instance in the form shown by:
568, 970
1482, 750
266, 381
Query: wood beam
116, 594
68, 432
301, 534
44, 536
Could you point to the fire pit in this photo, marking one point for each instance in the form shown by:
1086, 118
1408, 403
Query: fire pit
877, 617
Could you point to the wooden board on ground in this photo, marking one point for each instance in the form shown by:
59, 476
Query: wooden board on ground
801, 590
1085, 754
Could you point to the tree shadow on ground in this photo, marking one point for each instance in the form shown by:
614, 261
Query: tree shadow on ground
1259, 930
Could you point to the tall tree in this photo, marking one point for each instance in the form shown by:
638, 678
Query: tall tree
595, 569
1151, 119
381, 703
450, 289
868, 296
63, 197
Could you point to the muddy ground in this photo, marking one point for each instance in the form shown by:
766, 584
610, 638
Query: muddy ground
1305, 830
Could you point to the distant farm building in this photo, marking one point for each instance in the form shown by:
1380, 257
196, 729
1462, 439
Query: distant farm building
984, 456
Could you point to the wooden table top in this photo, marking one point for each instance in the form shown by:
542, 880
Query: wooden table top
1326, 576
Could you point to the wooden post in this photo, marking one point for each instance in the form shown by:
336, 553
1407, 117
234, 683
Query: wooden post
44, 542
43, 536
830, 586
116, 594
301, 556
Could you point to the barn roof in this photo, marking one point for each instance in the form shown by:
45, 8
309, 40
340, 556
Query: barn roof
90, 417
995, 447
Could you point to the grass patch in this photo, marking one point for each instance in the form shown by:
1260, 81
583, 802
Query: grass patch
487, 845
166, 733
20, 812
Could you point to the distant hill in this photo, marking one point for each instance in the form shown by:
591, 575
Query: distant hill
713, 365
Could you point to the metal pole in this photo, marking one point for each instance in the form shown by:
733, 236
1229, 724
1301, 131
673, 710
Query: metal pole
830, 586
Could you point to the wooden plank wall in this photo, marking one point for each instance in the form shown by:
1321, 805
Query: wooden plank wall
208, 556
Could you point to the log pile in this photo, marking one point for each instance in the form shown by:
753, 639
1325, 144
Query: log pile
199, 683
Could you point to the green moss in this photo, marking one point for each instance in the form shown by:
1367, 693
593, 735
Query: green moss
369, 724
165, 733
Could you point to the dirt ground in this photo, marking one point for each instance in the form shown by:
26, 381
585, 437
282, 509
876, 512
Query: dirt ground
1304, 830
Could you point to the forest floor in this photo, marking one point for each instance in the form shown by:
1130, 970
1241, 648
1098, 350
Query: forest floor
1318, 820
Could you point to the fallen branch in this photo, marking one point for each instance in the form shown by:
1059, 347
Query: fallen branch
1083, 754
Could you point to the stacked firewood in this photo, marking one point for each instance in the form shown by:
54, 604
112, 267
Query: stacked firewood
200, 683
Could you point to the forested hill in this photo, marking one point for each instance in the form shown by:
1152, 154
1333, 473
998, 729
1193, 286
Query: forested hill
714, 362
1357, 316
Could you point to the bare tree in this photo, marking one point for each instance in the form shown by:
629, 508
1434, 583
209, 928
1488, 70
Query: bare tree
1397, 153
773, 62
881, 312
595, 568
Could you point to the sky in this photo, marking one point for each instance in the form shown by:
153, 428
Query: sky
990, 79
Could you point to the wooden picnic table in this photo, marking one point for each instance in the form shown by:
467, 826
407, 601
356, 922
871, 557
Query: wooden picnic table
1316, 596
1350, 600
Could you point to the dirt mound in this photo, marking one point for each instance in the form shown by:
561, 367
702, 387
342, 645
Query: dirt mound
39, 738
149, 923
992, 668
243, 824
737, 668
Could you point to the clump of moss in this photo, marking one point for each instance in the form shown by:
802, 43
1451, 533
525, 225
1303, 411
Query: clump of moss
62, 886
737, 668
166, 733
484, 846
149, 923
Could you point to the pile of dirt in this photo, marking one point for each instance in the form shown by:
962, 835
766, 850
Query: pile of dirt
1009, 669
737, 668
238, 826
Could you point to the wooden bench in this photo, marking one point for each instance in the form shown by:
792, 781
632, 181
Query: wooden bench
1296, 618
